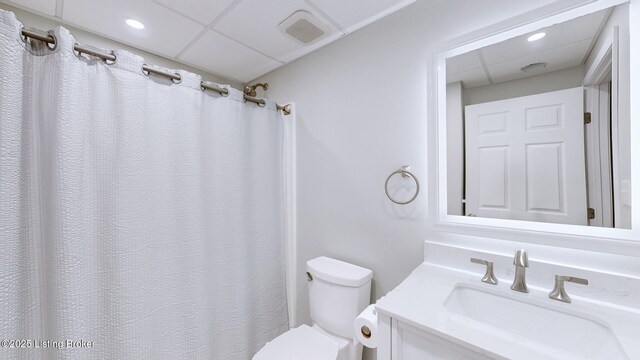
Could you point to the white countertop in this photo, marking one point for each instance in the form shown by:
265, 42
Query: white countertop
420, 300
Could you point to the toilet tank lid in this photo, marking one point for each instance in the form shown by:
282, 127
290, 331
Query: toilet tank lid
338, 272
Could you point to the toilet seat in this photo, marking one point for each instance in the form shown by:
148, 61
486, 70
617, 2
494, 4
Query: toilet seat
300, 343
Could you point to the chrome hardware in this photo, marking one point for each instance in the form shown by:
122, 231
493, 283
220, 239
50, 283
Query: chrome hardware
109, 57
366, 332
558, 292
309, 277
521, 261
205, 85
175, 77
404, 171
257, 101
250, 90
49, 39
286, 109
488, 277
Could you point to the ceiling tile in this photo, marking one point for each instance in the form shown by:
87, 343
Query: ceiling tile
203, 11
556, 59
585, 27
352, 15
467, 69
255, 24
245, 31
470, 78
228, 57
165, 32
44, 6
463, 62
566, 45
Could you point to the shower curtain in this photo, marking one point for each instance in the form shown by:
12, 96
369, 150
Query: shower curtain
139, 218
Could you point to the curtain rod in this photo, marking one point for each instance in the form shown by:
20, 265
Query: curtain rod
110, 58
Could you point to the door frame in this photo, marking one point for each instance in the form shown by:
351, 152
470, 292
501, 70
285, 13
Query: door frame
602, 133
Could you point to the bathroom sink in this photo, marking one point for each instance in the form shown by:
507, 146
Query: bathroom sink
548, 328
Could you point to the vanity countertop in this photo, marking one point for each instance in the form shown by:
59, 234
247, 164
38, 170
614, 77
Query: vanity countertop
422, 300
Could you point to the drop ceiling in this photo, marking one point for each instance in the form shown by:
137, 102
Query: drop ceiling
237, 39
565, 45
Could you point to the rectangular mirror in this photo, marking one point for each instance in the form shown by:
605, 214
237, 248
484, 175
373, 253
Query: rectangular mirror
538, 125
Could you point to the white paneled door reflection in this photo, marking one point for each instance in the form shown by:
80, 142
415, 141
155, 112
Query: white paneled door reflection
525, 158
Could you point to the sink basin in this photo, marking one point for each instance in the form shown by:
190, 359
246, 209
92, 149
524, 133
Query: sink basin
554, 330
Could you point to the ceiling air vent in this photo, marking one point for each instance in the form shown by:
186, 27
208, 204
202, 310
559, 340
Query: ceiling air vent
303, 27
534, 67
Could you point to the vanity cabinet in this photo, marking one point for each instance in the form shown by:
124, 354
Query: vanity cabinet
401, 341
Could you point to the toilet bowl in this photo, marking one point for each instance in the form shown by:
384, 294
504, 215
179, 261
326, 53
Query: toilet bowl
302, 342
338, 292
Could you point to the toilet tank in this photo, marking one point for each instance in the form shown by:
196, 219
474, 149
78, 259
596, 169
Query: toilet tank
338, 293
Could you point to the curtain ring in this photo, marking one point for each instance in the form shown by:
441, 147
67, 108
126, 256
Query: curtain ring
54, 45
111, 62
50, 44
405, 173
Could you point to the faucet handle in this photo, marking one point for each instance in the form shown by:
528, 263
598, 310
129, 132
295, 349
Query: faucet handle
488, 277
573, 279
521, 258
559, 293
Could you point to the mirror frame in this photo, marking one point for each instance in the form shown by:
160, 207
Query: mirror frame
610, 240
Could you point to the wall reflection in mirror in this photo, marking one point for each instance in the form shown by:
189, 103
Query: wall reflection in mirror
538, 125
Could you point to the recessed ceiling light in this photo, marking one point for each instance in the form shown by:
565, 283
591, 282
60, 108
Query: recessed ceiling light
537, 36
135, 24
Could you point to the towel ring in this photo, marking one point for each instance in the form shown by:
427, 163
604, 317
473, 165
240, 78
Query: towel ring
404, 171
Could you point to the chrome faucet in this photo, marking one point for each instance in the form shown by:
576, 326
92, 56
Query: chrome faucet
521, 261
488, 277
559, 293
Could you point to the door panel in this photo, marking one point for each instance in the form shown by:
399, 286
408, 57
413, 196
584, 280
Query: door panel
545, 186
525, 158
493, 177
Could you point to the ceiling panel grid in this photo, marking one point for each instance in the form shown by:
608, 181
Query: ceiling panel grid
237, 39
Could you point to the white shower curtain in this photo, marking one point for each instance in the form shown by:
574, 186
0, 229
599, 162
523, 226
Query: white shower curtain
140, 215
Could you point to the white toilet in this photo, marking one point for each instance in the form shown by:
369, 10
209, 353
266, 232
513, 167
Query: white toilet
338, 292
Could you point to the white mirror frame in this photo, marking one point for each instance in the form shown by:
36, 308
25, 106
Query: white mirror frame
617, 241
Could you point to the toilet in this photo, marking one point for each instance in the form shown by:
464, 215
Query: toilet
338, 292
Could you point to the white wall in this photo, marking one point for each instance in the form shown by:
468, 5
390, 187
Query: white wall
455, 149
553, 81
84, 37
362, 113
